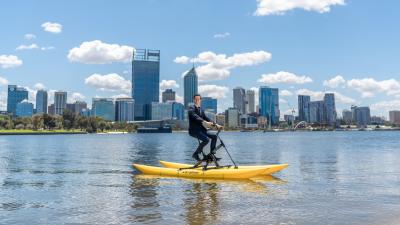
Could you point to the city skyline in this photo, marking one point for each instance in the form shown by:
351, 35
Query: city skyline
48, 51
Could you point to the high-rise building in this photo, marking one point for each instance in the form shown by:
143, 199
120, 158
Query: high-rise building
178, 111
145, 81
269, 104
41, 101
60, 102
232, 118
50, 109
124, 109
239, 99
361, 116
15, 95
104, 108
209, 104
347, 116
250, 101
161, 111
168, 95
330, 109
24, 109
394, 117
303, 107
190, 85
79, 106
317, 112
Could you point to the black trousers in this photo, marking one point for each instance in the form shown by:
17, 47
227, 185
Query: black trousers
204, 138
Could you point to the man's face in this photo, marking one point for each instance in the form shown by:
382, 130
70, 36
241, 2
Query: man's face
197, 100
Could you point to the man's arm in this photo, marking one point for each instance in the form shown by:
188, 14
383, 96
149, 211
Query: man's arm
194, 116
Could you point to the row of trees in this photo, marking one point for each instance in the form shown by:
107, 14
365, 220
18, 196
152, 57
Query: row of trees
67, 121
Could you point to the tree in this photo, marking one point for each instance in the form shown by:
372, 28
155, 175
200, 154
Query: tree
37, 122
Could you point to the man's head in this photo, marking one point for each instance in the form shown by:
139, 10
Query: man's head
197, 100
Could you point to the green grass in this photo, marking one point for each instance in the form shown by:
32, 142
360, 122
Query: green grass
39, 131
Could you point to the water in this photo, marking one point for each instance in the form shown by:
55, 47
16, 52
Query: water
333, 178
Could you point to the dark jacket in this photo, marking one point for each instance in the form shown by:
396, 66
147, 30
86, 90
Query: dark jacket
196, 118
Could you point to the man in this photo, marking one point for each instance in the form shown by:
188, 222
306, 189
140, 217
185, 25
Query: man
197, 121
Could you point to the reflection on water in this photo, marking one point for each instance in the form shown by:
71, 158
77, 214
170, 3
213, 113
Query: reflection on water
333, 178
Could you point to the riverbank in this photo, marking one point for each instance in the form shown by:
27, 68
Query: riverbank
40, 132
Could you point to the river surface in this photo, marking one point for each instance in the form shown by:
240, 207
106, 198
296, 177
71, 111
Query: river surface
332, 178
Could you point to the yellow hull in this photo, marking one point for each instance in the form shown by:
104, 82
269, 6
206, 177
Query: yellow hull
269, 169
221, 173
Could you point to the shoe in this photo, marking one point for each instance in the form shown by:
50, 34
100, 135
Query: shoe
196, 157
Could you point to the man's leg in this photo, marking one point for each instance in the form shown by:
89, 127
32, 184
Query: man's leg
213, 141
203, 142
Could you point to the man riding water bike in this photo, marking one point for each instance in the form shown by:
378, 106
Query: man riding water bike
197, 122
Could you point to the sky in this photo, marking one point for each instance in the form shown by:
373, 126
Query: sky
350, 48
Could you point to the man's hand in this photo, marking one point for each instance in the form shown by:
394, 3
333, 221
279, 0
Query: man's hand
207, 124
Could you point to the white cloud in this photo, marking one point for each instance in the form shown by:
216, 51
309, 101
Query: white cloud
75, 96
279, 7
3, 81
368, 87
121, 96
47, 48
39, 86
284, 77
386, 105
29, 36
222, 35
98, 52
319, 95
3, 101
182, 60
334, 82
165, 84
217, 67
178, 98
9, 61
126, 72
109, 82
285, 93
52, 27
27, 47
214, 91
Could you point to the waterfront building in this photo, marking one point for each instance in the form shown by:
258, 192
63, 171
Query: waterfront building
317, 112
248, 121
161, 111
124, 109
239, 99
190, 86
145, 81
15, 95
60, 102
220, 119
250, 101
232, 118
41, 101
210, 104
303, 107
330, 109
394, 117
168, 95
347, 116
269, 104
361, 116
178, 111
24, 109
104, 108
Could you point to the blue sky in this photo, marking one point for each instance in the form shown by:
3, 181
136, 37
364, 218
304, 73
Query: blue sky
309, 47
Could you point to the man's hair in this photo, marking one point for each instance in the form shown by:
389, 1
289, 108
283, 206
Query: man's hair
196, 95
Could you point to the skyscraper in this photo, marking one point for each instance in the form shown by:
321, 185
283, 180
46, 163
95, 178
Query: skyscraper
250, 101
347, 116
330, 109
15, 95
145, 81
190, 85
232, 118
239, 99
317, 112
41, 101
60, 102
303, 107
394, 117
24, 109
168, 95
361, 116
104, 108
269, 104
124, 109
210, 104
